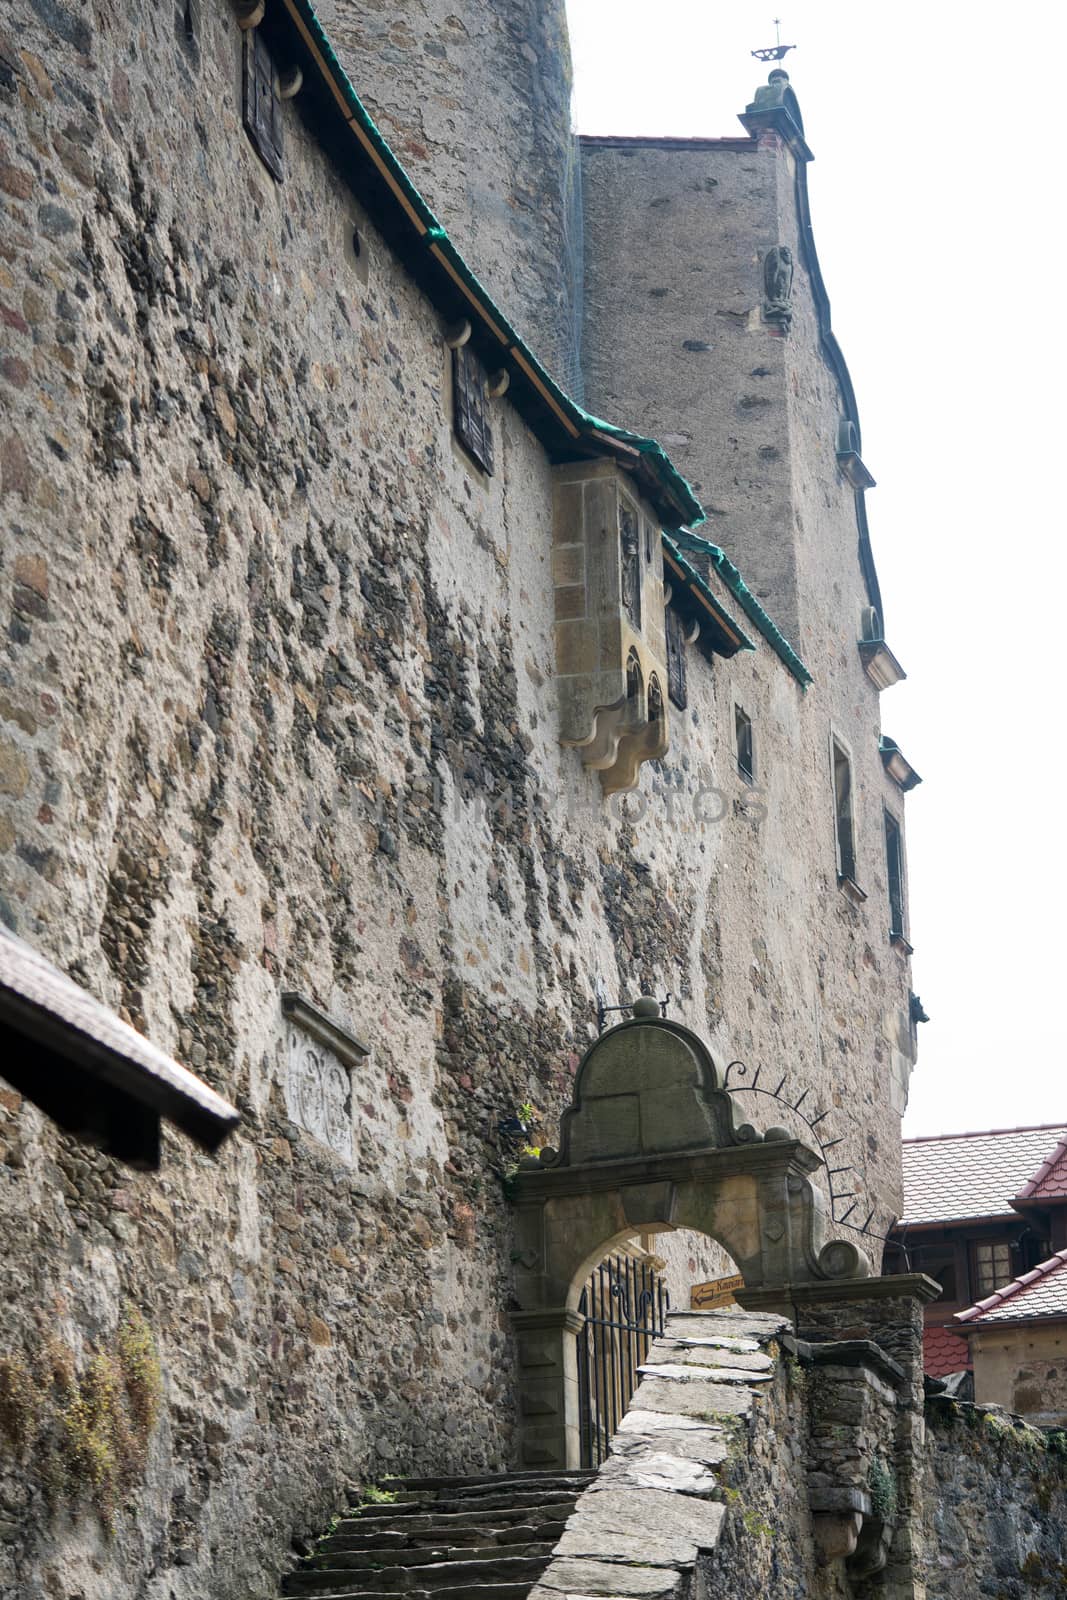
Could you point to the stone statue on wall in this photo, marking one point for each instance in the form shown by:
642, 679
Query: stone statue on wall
778, 286
630, 539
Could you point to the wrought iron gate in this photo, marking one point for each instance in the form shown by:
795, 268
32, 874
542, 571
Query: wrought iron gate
624, 1304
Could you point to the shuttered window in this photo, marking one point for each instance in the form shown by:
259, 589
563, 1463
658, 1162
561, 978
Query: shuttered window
677, 687
894, 855
844, 820
262, 107
470, 407
746, 745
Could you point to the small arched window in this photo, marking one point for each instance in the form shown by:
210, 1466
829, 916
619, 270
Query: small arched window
634, 679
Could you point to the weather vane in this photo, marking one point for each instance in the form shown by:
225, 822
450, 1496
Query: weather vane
774, 52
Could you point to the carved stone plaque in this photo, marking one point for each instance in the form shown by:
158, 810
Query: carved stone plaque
318, 1093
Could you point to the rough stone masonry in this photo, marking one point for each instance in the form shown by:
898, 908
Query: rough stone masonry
278, 713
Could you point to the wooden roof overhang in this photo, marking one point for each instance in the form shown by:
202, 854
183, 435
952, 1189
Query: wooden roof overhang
91, 1072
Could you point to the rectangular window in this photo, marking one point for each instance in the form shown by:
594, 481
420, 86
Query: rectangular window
894, 859
262, 107
470, 407
746, 756
677, 686
992, 1268
844, 819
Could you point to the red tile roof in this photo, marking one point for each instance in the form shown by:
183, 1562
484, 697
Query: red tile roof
964, 1175
945, 1352
1049, 1182
1041, 1292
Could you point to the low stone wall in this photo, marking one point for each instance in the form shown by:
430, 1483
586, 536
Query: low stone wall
718, 1480
704, 1491
995, 1493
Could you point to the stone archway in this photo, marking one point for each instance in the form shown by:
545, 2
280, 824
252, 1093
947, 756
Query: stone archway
650, 1141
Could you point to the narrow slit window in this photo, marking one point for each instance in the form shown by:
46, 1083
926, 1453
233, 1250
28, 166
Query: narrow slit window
844, 818
746, 757
470, 407
894, 856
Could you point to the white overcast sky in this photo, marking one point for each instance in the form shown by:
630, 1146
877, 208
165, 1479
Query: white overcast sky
937, 190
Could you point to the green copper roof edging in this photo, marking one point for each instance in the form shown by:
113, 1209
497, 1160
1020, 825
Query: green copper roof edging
676, 490
695, 581
748, 602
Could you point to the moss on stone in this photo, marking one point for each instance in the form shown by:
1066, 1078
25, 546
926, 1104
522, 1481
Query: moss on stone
84, 1433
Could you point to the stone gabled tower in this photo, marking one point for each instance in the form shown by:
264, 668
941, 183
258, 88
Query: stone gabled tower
707, 321
717, 336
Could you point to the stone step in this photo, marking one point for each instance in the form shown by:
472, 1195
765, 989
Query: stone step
499, 1480
470, 1591
478, 1533
517, 1572
435, 1518
489, 1502
328, 1554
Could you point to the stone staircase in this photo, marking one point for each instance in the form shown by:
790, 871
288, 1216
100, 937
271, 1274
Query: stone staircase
478, 1538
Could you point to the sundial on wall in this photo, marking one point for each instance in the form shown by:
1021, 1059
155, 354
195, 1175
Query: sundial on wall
842, 1181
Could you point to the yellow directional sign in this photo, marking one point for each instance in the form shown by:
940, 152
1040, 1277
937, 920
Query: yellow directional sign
719, 1292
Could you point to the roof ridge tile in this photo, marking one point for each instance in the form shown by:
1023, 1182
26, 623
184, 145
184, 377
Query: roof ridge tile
1047, 1167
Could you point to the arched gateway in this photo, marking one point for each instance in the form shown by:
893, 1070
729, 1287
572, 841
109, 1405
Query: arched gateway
650, 1142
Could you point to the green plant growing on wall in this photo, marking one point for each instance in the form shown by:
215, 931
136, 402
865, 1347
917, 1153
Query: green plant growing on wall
374, 1495
530, 1118
85, 1434
755, 1526
882, 1482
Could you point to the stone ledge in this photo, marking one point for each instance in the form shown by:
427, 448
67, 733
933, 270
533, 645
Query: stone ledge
851, 1353
901, 1286
834, 1497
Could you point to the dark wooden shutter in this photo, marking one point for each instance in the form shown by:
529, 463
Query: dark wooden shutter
895, 865
746, 750
470, 407
677, 687
262, 108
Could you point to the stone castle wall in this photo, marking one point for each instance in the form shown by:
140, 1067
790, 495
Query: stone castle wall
676, 333
476, 101
996, 1505
272, 647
